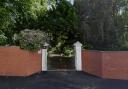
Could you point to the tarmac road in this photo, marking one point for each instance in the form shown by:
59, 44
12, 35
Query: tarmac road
61, 80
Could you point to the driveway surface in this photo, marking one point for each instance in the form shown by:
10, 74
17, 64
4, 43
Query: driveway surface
61, 80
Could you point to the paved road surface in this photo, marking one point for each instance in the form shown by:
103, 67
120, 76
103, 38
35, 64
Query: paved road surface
61, 80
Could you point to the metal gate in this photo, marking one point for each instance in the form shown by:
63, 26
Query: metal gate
58, 62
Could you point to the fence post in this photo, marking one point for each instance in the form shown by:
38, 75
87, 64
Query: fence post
44, 57
78, 60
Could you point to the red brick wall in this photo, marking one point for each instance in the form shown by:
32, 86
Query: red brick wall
106, 64
115, 65
91, 62
17, 62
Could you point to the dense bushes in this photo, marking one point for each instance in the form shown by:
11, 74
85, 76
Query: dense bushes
31, 39
3, 39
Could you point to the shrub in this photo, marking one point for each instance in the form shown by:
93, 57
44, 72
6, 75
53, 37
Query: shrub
68, 51
31, 40
3, 39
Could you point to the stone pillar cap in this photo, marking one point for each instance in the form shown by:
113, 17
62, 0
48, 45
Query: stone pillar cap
77, 44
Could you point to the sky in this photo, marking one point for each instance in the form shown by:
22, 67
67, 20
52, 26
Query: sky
71, 1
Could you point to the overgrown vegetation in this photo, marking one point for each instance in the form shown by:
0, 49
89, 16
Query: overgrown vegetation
100, 24
56, 18
3, 39
31, 39
62, 23
104, 24
17, 15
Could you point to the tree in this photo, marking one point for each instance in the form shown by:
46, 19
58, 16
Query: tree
61, 22
100, 24
16, 15
121, 22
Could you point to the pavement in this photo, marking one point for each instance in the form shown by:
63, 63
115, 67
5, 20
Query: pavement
61, 80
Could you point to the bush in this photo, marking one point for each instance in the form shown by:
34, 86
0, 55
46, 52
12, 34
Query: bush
32, 40
3, 39
68, 51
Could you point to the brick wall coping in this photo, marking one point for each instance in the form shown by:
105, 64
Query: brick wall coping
9, 46
101, 51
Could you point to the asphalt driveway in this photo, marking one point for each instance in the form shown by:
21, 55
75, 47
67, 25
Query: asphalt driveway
61, 80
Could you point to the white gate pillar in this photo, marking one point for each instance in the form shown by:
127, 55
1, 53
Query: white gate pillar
78, 60
44, 57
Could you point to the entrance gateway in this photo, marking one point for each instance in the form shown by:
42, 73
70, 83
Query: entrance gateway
77, 58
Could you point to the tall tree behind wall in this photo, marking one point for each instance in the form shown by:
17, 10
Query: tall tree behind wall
97, 24
121, 22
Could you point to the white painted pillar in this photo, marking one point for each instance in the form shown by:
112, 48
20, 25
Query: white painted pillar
44, 57
78, 60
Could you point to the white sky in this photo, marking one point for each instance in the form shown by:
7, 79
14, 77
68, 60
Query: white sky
71, 1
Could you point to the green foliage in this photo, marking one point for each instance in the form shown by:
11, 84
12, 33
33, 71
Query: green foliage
4, 18
16, 15
88, 46
68, 51
28, 13
3, 39
20, 14
32, 40
121, 23
59, 18
61, 22
104, 23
